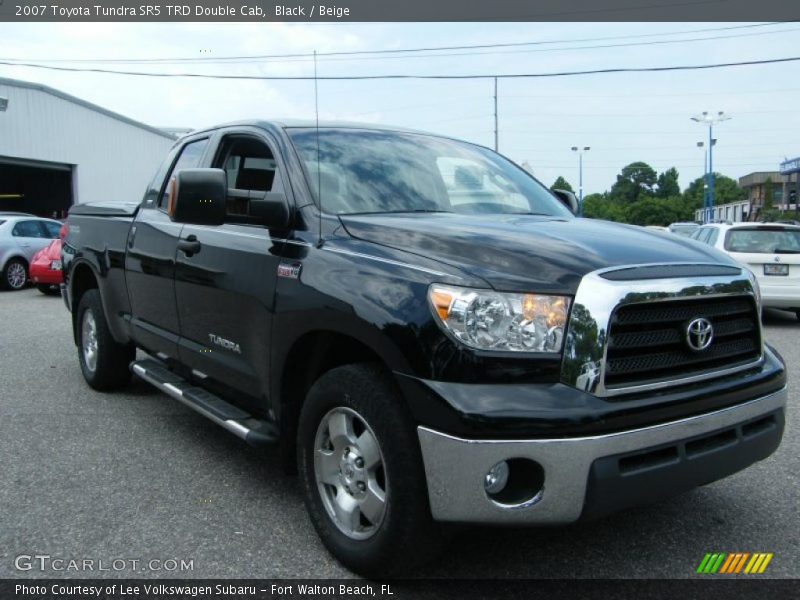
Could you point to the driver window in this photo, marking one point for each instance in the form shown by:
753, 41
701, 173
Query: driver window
250, 169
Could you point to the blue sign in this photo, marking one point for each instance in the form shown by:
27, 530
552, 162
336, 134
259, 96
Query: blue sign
790, 166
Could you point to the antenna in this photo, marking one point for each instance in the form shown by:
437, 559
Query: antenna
319, 163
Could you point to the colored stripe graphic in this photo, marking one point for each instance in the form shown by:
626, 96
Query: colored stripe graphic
733, 563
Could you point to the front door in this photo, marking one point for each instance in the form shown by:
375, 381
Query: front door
225, 290
150, 262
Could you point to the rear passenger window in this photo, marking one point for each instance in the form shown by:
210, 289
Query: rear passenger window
190, 157
29, 229
52, 229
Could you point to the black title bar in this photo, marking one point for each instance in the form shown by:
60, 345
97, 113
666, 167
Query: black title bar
399, 10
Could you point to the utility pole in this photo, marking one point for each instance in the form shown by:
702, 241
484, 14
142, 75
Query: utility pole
496, 133
707, 119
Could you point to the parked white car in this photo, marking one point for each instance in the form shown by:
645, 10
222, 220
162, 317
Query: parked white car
684, 229
770, 250
22, 236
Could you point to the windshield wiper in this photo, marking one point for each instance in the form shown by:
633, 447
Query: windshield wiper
786, 251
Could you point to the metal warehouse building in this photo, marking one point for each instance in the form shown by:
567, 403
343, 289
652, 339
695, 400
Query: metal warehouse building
57, 150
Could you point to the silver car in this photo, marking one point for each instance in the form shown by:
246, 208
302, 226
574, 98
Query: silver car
22, 236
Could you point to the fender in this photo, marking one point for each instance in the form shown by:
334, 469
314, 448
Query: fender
117, 326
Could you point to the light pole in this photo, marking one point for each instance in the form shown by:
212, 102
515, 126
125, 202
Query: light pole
708, 119
702, 147
580, 152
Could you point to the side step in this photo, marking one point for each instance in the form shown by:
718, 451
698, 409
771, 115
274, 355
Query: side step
255, 432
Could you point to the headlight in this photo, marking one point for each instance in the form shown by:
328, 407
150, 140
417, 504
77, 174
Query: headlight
489, 320
756, 287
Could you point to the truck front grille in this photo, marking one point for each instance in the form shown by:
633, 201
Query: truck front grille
648, 342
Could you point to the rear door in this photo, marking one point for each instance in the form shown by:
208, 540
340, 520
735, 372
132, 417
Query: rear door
150, 258
226, 291
30, 236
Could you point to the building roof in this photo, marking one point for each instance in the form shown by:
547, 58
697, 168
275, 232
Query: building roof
760, 177
64, 96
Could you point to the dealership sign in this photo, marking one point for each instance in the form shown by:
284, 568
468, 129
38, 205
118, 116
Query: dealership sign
790, 166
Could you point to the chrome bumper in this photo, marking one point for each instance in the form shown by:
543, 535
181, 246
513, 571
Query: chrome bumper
455, 467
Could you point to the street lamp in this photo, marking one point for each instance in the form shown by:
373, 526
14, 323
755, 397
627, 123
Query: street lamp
705, 118
580, 152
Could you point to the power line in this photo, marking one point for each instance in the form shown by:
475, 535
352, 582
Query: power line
422, 53
352, 53
671, 68
658, 95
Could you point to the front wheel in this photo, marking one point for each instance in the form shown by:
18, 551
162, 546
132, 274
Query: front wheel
362, 473
103, 360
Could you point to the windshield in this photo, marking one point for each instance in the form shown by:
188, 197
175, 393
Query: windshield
763, 241
685, 229
365, 171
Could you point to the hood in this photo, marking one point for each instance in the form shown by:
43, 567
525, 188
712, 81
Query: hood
525, 252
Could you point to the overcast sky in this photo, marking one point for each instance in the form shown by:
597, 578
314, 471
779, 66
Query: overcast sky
622, 117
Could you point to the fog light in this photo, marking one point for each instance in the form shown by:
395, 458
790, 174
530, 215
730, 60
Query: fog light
496, 479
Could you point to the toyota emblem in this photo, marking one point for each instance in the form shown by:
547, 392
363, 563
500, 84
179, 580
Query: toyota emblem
699, 334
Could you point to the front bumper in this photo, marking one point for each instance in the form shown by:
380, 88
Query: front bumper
780, 296
589, 476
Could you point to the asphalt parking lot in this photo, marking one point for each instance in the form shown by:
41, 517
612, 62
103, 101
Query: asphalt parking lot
136, 475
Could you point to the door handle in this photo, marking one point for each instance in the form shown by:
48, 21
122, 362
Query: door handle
189, 246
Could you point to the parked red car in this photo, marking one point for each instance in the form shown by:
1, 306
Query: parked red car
45, 269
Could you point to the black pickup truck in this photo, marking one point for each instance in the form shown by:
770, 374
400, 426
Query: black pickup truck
425, 332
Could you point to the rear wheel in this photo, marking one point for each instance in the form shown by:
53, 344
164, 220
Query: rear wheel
15, 274
103, 360
362, 473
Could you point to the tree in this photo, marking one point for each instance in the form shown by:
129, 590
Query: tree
635, 181
668, 184
769, 193
659, 211
726, 190
600, 206
561, 184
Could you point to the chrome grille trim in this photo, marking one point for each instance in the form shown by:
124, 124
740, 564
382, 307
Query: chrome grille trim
585, 345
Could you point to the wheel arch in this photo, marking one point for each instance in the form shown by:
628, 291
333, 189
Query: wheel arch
82, 279
310, 356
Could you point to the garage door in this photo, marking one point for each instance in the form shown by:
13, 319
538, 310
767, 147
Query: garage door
42, 189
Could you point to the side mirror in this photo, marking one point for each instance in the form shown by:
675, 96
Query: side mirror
569, 200
270, 210
197, 196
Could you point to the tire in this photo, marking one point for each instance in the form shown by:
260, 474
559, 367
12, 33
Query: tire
104, 362
797, 314
48, 290
403, 535
15, 274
